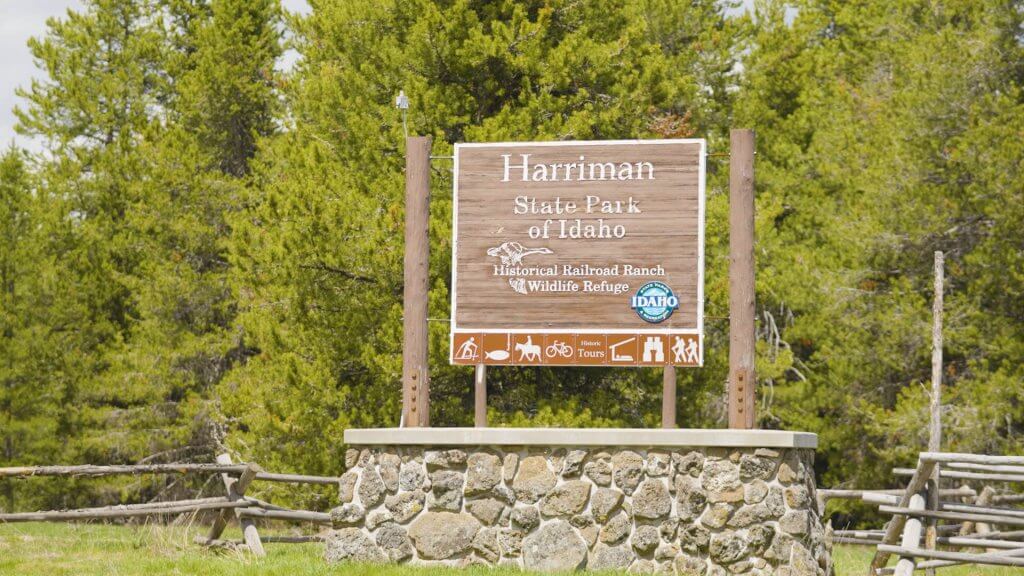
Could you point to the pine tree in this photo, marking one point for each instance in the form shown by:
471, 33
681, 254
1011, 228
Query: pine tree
228, 98
318, 250
150, 111
208, 245
872, 120
182, 340
28, 401
95, 106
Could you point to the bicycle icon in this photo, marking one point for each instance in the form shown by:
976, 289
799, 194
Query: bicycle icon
558, 348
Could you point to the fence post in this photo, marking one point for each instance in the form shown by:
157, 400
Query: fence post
911, 537
235, 489
935, 424
935, 428
931, 525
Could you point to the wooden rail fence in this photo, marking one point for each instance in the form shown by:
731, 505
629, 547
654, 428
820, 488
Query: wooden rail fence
933, 527
236, 479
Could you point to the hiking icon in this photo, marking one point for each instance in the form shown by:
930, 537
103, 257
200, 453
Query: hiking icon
685, 351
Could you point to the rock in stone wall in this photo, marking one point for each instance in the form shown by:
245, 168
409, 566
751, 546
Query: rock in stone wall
687, 511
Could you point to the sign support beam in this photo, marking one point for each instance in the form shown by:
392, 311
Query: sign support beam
480, 397
668, 398
742, 336
415, 374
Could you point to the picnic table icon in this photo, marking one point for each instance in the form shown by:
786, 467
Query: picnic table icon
616, 357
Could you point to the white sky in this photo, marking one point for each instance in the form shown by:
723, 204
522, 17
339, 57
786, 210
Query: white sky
21, 20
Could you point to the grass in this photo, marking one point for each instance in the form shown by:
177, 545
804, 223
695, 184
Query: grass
88, 549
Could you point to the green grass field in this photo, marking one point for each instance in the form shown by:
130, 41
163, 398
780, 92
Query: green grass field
88, 550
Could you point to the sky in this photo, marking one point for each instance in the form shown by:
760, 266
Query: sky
23, 19
20, 20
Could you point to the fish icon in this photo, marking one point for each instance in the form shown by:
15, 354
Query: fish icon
498, 355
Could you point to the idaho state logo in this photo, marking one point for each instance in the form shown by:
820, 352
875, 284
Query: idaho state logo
654, 302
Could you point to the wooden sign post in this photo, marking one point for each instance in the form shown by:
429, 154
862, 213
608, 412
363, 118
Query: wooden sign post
480, 396
742, 337
415, 376
668, 397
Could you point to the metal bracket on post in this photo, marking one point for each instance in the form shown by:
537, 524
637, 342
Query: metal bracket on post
414, 401
402, 103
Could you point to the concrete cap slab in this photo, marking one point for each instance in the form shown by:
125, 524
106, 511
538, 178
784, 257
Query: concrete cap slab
581, 437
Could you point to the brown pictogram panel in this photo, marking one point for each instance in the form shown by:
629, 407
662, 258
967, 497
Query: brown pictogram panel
685, 350
622, 349
654, 350
497, 349
466, 348
591, 349
527, 349
560, 349
576, 349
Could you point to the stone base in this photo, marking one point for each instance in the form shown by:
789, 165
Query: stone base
480, 499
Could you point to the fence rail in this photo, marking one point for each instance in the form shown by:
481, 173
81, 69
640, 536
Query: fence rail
126, 469
925, 516
236, 479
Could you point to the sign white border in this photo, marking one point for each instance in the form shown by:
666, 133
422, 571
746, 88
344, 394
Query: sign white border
701, 187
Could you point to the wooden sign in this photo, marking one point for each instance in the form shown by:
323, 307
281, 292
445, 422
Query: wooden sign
579, 253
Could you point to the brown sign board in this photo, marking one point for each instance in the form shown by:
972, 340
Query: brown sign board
578, 253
